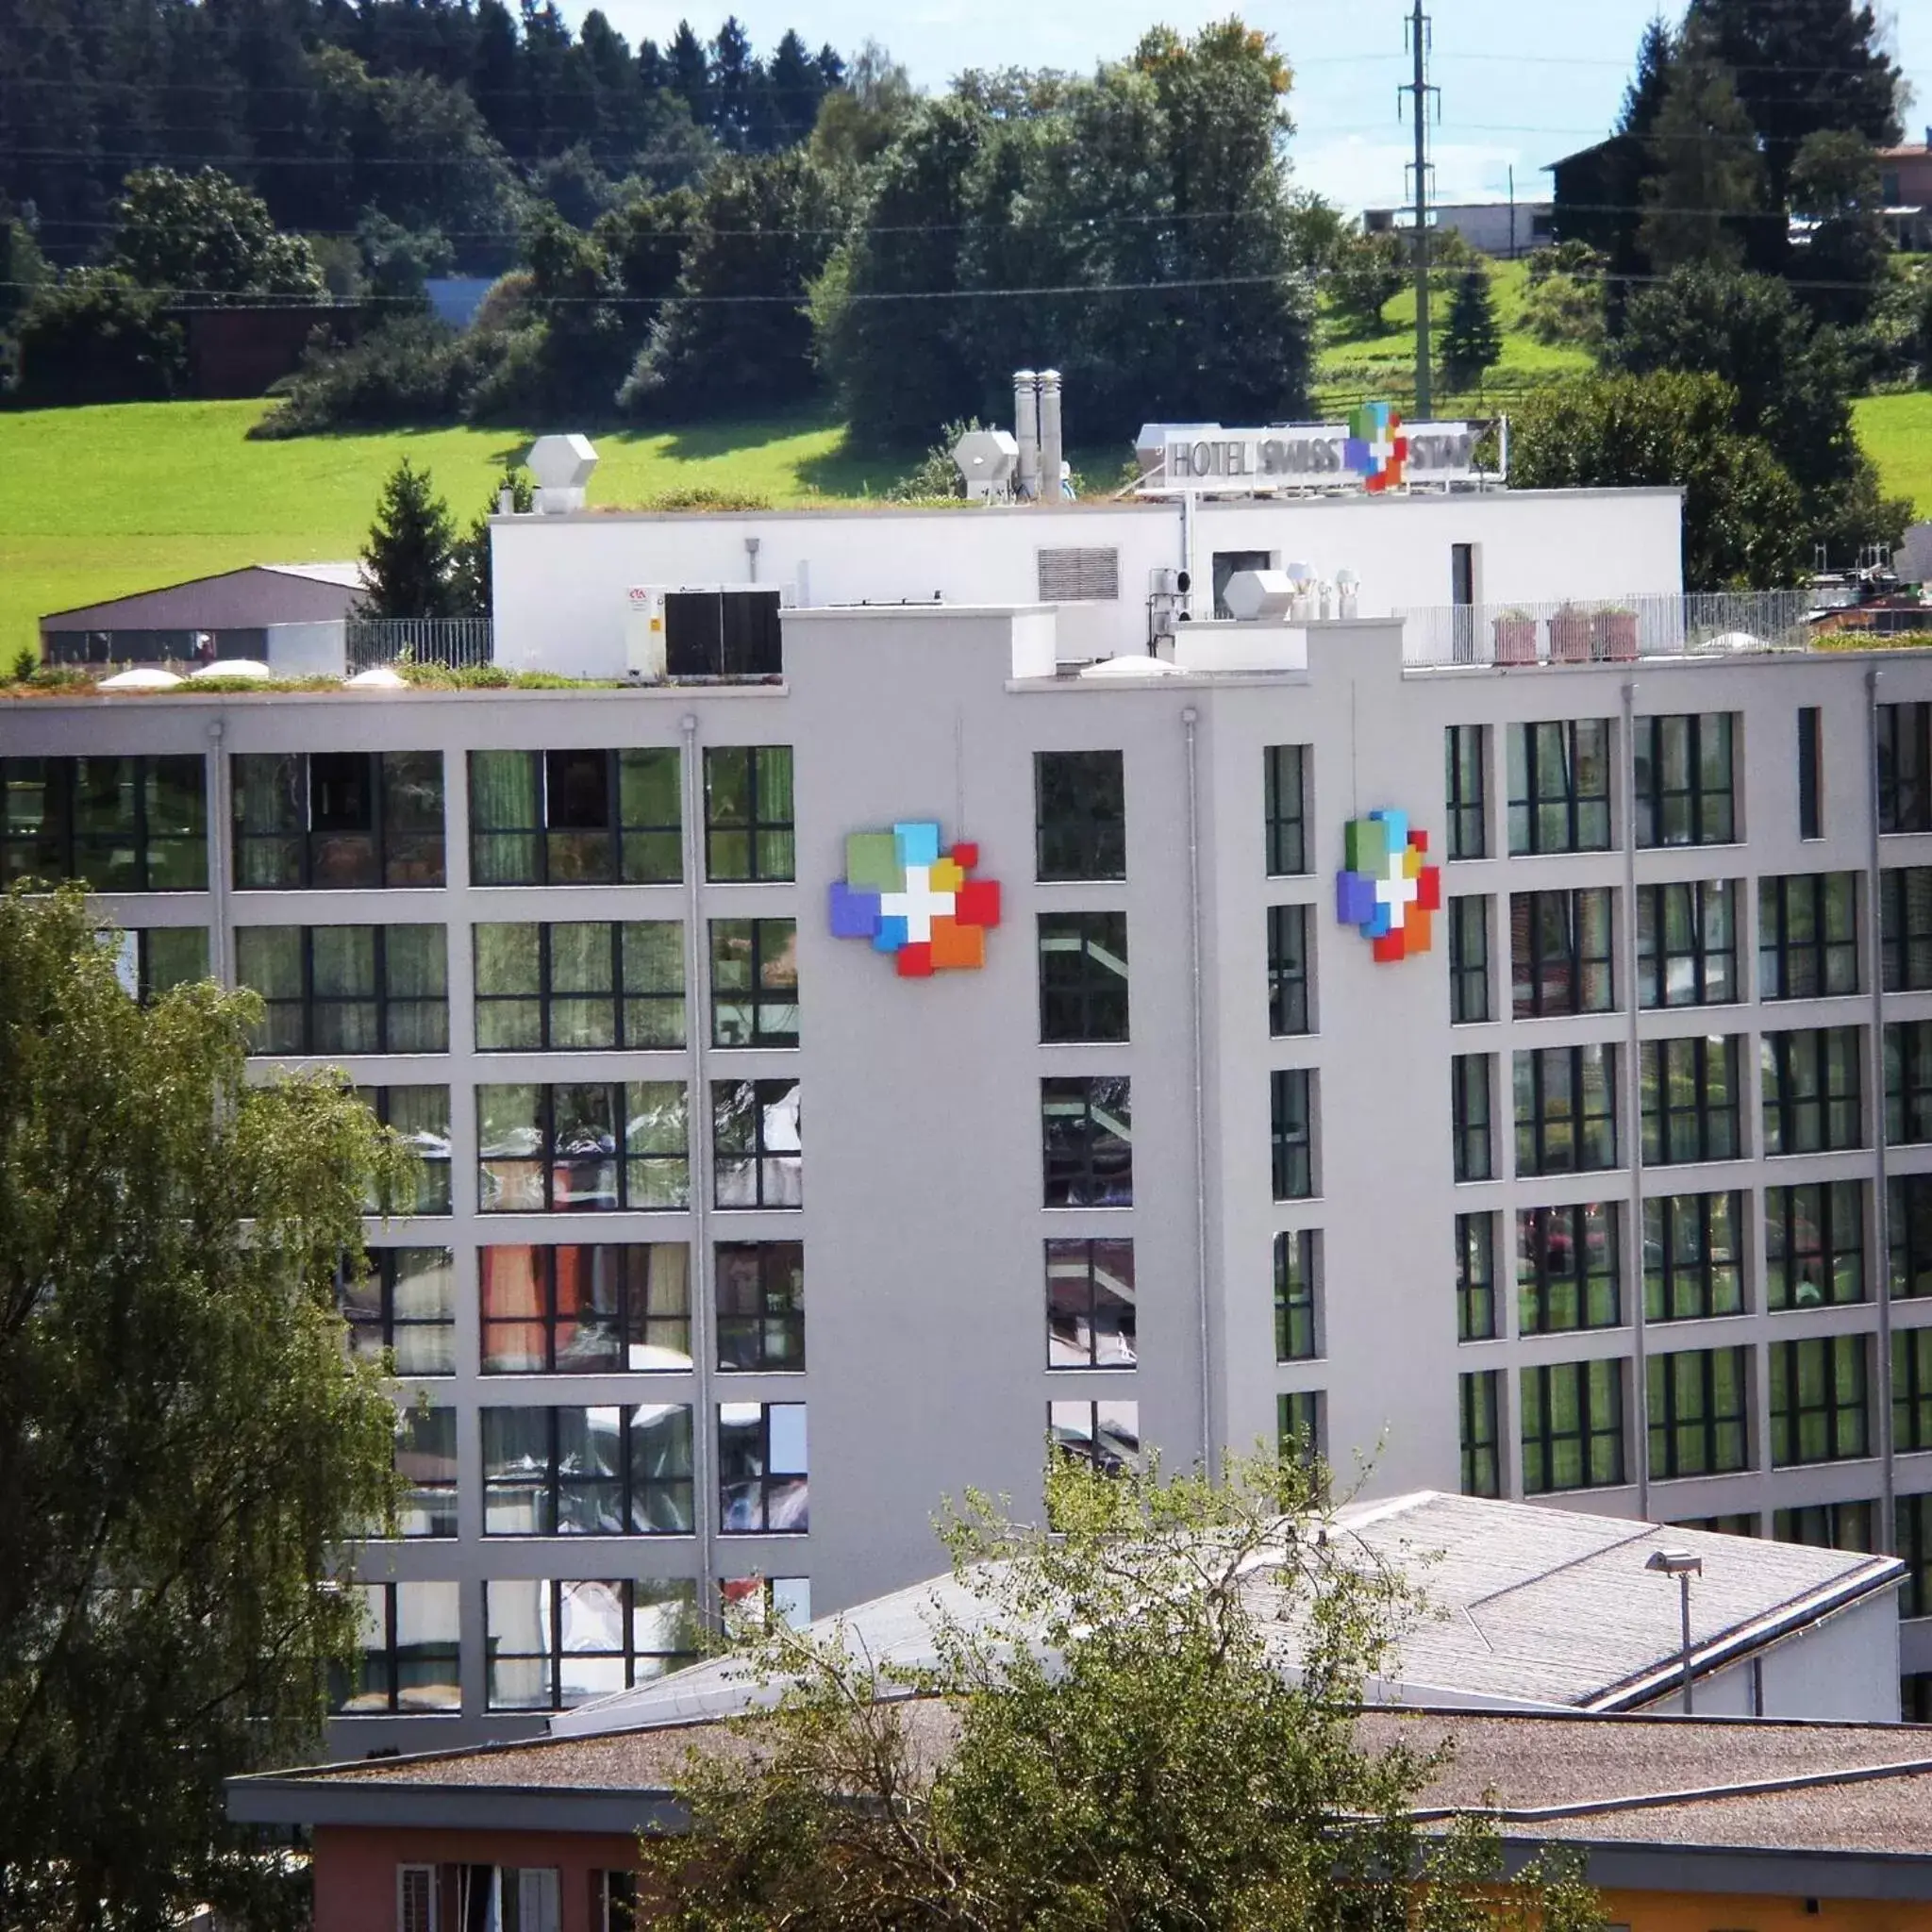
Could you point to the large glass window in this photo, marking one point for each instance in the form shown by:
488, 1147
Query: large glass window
553, 1644
1296, 1264
1692, 1108
1909, 1083
1288, 970
1091, 1313
1807, 936
1087, 1133
1472, 1139
337, 818
1697, 1407
1817, 1400
757, 1147
748, 828
754, 982
582, 1146
1908, 1229
1687, 944
409, 1653
153, 960
1285, 774
1904, 768
585, 1311
1568, 1268
762, 1482
118, 825
1566, 1109
1560, 786
403, 1300
1826, 1526
1104, 1435
1905, 918
760, 1292
1475, 1278
1080, 815
1559, 952
1291, 1132
1469, 960
1573, 1426
347, 988
588, 1472
1810, 771
1684, 785
575, 818
1479, 1398
425, 1459
1466, 758
1814, 1245
1693, 1259
1911, 1389
420, 1116
1083, 976
1814, 1090
1912, 1539
581, 987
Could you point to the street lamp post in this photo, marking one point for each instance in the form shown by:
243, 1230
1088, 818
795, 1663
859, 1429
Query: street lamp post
1683, 1566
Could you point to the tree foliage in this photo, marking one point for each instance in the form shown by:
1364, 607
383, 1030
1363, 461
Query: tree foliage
184, 1445
1112, 1744
406, 561
95, 336
201, 235
1472, 338
1365, 274
1705, 179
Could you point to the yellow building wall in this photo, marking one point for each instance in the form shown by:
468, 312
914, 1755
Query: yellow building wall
1715, 1912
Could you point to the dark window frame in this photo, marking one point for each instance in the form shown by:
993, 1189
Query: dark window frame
1465, 757
1713, 976
1088, 1001
1472, 1117
619, 850
1810, 771
394, 1655
388, 854
1300, 1425
1710, 808
776, 1490
1476, 1302
635, 1319
309, 1008
554, 1482
760, 1332
1290, 952
1480, 1407
1570, 1268
1297, 1295
1293, 1101
62, 837
1904, 922
1086, 1162
373, 1330
767, 823
1818, 1224
1908, 1234
1558, 969
1597, 1386
629, 1653
1083, 1441
1904, 753
742, 1112
1911, 1391
1845, 1418
1537, 1136
549, 1002
433, 1181
1077, 1298
1696, 1427
1469, 976
431, 1499
1679, 1131
550, 1159
1911, 1518
1285, 808
1907, 1083
1690, 1280
1079, 816
1794, 1092
1846, 1525
1823, 964
1556, 749
760, 984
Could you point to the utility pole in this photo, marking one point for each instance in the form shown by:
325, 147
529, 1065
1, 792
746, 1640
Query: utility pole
1418, 91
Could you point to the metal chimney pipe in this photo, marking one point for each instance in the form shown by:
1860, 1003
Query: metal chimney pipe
1026, 434
1050, 434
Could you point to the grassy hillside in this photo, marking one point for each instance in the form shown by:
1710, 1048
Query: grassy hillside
1897, 430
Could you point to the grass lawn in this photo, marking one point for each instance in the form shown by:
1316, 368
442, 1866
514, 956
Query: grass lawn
1897, 431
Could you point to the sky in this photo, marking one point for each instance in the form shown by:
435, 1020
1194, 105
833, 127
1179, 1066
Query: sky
1522, 81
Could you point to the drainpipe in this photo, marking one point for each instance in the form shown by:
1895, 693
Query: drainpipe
751, 558
1188, 511
1633, 1244
1189, 721
1875, 931
221, 848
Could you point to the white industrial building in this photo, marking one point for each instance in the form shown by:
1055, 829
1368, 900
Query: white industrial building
739, 1248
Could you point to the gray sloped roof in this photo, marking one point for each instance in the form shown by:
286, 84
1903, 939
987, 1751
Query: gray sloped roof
244, 599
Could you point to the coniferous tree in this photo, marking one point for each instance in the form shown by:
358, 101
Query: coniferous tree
405, 562
689, 72
1706, 180
471, 582
1473, 339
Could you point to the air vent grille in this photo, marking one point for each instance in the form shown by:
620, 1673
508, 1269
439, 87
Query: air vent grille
1079, 577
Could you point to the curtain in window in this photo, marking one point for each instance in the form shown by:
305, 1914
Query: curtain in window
504, 814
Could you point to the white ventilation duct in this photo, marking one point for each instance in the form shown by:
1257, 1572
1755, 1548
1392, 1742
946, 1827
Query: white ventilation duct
986, 460
1026, 433
1254, 595
562, 466
1050, 453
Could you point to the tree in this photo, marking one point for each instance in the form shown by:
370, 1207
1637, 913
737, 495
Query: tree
691, 73
1835, 187
1120, 1746
203, 234
1745, 522
407, 559
471, 581
186, 1447
1705, 179
1473, 339
1365, 275
95, 336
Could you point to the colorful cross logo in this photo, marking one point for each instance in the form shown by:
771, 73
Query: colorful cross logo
914, 901
1376, 450
1388, 888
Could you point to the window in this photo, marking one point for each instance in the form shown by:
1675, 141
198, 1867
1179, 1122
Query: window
117, 825
1288, 970
580, 987
1911, 1389
1568, 1268
1088, 1136
404, 1300
765, 1602
1909, 1083
761, 1468
748, 828
1560, 953
347, 988
337, 818
1295, 1263
1298, 1431
1738, 1522
582, 1148
1693, 1263
1104, 1435
416, 1899
1566, 1109
1905, 919
754, 982
1689, 1092
1468, 1108
757, 1150
1826, 1526
1697, 1413
1292, 1112
572, 1310
1090, 1307
1285, 778
1573, 1426
1083, 976
1466, 758
1687, 944
1912, 1525
1904, 768
419, 1115
1480, 1399
1812, 1100
575, 818
1807, 936
154, 959
1475, 1278
1560, 786
588, 1472
760, 1292
1915, 1697
1227, 564
1810, 764
1908, 1224
425, 1459
1683, 780
552, 1644
1814, 1245
1469, 960
410, 1649
1817, 1400
1080, 815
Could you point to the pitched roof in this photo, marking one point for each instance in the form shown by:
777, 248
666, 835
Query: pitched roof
241, 599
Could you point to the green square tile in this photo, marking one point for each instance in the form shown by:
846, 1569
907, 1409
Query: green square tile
1368, 847
872, 863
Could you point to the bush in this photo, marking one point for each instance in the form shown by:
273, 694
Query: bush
937, 475
95, 338
705, 497
412, 369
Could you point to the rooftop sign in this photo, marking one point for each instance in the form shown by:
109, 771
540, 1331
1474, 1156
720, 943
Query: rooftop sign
1373, 451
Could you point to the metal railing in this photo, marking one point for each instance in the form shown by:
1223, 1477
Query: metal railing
454, 643
1607, 630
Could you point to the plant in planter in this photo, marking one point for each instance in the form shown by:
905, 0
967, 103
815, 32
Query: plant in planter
1515, 638
1614, 634
1570, 635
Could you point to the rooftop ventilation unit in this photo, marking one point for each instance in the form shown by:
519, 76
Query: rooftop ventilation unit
702, 630
987, 460
1260, 595
562, 466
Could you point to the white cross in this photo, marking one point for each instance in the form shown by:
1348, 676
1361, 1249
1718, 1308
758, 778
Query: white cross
918, 905
1383, 450
1397, 889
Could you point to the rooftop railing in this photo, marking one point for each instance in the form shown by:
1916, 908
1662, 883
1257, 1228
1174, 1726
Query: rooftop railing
454, 643
1613, 630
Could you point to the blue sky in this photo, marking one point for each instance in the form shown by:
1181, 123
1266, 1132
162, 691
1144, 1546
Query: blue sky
1522, 80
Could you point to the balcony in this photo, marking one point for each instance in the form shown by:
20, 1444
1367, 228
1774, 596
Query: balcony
1619, 630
